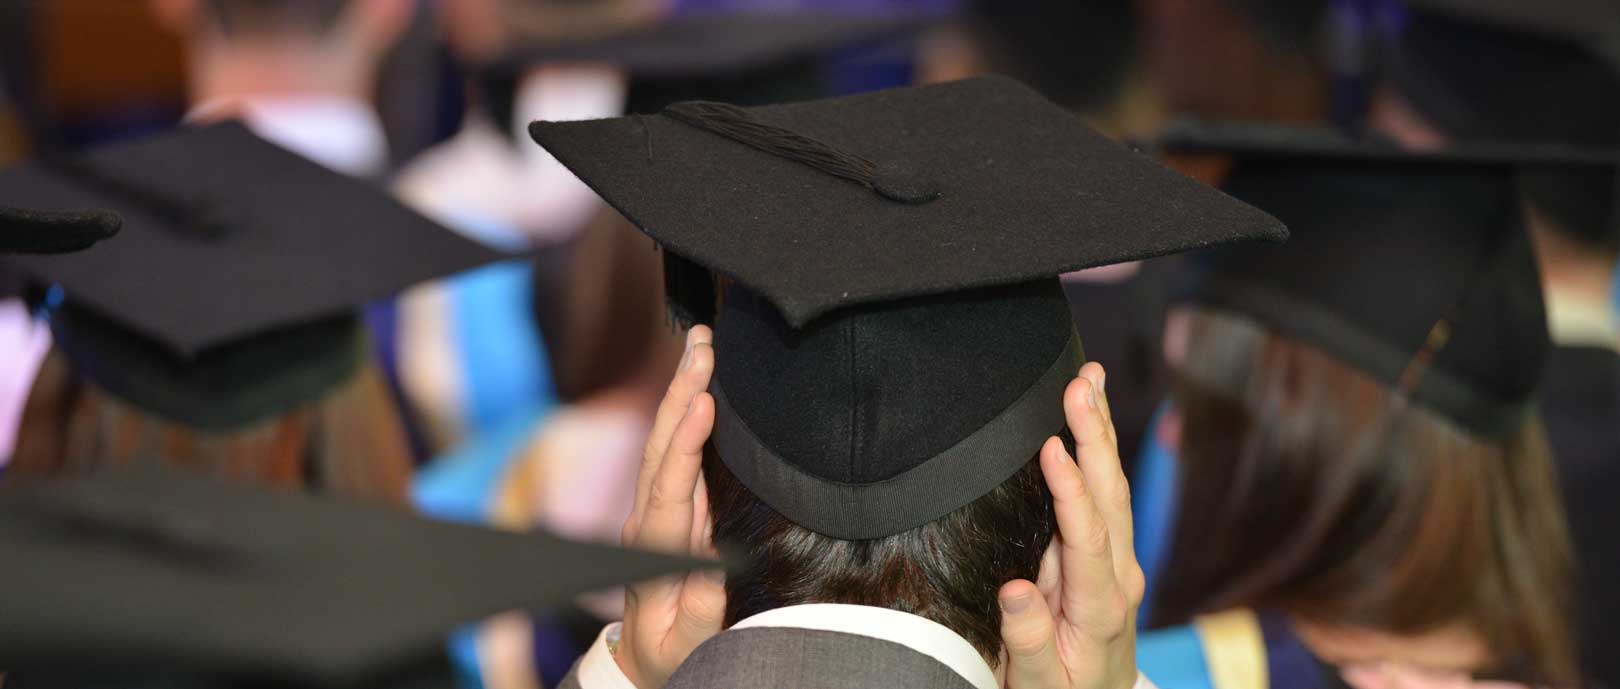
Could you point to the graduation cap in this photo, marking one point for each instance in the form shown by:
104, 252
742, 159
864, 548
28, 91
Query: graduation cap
25, 231
136, 571
1415, 268
239, 265
1502, 70
1514, 71
893, 341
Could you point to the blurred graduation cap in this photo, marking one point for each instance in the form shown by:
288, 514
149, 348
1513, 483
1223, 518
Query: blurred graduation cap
1514, 71
893, 341
739, 57
25, 231
1501, 70
1413, 267
233, 289
137, 575
1075, 52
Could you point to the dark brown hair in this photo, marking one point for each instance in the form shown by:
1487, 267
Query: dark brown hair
1309, 487
948, 570
351, 441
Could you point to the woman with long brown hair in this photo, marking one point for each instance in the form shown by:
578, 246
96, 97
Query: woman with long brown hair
1365, 495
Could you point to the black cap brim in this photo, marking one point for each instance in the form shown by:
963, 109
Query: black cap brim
151, 569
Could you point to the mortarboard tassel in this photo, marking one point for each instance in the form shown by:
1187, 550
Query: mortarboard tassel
195, 217
893, 182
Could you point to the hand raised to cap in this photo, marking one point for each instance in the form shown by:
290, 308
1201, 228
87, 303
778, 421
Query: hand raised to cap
1076, 627
665, 619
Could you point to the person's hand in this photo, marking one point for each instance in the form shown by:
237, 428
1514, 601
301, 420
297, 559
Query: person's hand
665, 619
1076, 627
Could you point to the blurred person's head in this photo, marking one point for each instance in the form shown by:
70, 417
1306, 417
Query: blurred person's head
246, 48
480, 31
1355, 417
1472, 76
1387, 531
1238, 59
1082, 55
345, 437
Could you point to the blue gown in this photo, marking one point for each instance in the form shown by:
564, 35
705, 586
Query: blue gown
1237, 649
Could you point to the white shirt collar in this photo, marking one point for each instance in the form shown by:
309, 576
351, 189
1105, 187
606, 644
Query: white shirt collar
920, 634
343, 134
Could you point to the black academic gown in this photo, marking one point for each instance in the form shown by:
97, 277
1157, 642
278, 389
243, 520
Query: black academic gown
1581, 408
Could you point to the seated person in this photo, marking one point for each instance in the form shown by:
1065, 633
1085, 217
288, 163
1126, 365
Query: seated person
1366, 494
187, 338
877, 439
1545, 76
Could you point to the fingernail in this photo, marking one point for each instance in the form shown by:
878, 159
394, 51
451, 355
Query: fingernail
1016, 604
1102, 380
686, 357
715, 576
1093, 390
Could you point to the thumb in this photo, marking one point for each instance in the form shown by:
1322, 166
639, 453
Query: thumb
1030, 636
701, 612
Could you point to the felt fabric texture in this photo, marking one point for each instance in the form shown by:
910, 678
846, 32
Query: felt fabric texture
1017, 203
883, 455
1415, 268
24, 231
142, 569
227, 236
727, 44
884, 357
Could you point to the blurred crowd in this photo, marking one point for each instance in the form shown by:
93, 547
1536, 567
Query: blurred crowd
1410, 548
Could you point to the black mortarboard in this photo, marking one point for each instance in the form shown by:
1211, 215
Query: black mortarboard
24, 231
1413, 267
233, 289
1504, 70
134, 572
895, 342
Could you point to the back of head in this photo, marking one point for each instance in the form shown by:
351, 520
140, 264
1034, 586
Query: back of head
1310, 487
1359, 444
948, 570
892, 342
349, 441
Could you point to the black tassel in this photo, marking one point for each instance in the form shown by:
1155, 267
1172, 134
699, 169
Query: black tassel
893, 182
689, 292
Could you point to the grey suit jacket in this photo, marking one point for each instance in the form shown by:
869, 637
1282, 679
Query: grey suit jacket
792, 658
